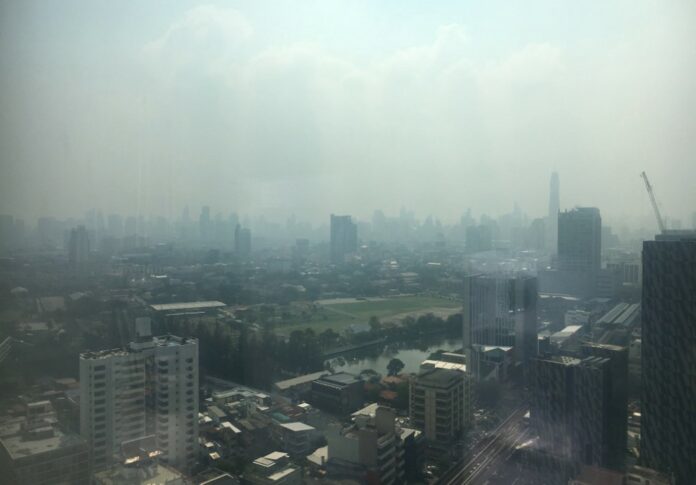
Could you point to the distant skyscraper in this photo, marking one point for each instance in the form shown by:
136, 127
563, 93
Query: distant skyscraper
554, 208
205, 227
668, 413
78, 246
344, 237
580, 240
242, 241
148, 389
500, 311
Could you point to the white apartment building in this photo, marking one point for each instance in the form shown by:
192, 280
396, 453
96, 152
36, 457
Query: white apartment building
441, 403
148, 389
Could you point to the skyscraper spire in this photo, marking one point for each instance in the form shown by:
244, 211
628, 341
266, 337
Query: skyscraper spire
552, 221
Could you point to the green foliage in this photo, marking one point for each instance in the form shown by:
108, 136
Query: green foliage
395, 366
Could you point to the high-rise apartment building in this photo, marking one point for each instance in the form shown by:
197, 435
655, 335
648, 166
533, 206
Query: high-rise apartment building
668, 409
554, 207
78, 246
573, 402
147, 389
440, 404
500, 311
344, 237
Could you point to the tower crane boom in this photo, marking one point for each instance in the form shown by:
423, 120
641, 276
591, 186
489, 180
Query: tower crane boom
649, 188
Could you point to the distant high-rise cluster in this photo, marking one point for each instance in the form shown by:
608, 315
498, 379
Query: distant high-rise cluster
344, 237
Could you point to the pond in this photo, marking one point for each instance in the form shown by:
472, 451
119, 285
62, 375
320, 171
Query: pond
411, 353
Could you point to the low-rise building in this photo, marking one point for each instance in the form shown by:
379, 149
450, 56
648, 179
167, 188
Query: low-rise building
298, 386
34, 449
296, 438
373, 449
274, 469
339, 393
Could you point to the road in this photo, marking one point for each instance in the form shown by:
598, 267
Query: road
497, 449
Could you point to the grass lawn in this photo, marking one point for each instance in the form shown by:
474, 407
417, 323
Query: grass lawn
338, 316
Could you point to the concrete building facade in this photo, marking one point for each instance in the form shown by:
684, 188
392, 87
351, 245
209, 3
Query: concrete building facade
440, 404
148, 389
35, 450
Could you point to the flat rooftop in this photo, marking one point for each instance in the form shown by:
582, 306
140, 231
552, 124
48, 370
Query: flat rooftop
439, 377
157, 473
341, 378
297, 426
441, 364
299, 380
19, 447
189, 305
159, 341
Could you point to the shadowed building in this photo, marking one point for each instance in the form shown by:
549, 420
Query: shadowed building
344, 238
500, 311
668, 404
573, 403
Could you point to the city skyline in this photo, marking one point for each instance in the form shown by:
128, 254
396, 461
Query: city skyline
271, 110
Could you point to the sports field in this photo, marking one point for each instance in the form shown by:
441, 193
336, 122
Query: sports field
339, 314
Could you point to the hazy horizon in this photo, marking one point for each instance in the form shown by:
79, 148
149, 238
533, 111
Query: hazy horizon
326, 107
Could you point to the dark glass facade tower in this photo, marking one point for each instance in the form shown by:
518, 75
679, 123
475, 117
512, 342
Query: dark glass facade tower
668, 420
573, 403
580, 240
344, 237
617, 401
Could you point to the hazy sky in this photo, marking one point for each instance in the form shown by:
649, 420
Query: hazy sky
327, 106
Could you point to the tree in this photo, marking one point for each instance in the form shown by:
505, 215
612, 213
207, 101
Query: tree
375, 324
395, 366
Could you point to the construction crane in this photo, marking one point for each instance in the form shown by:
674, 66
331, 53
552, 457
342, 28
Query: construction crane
649, 188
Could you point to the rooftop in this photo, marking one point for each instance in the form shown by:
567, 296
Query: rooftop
299, 380
297, 426
154, 473
369, 410
342, 378
282, 473
19, 446
439, 377
676, 235
159, 341
190, 305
